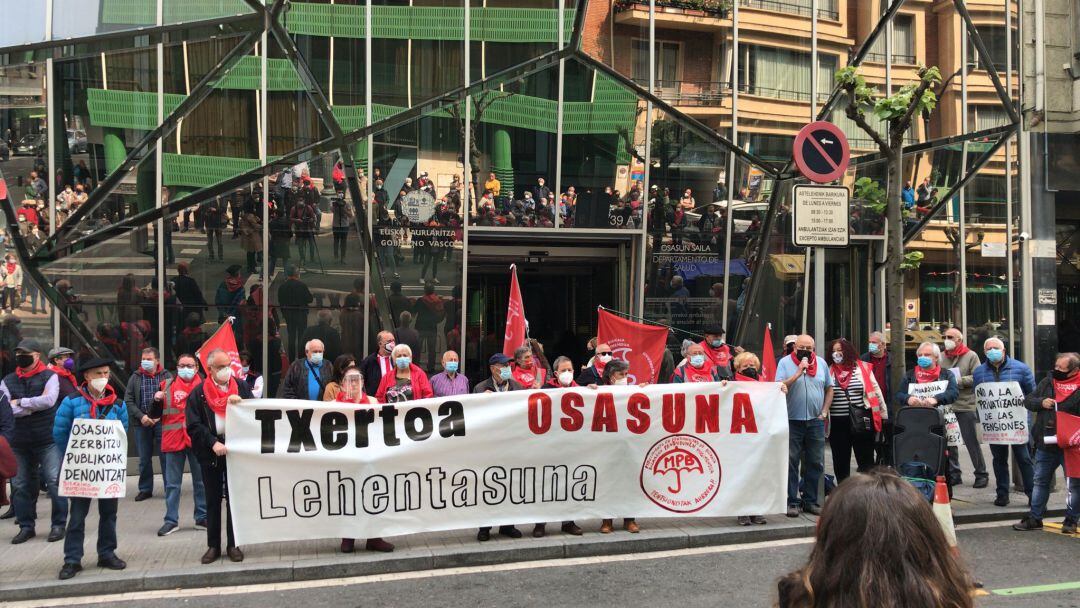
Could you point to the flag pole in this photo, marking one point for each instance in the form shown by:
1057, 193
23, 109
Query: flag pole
648, 321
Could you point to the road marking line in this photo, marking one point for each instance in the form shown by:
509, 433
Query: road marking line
1038, 589
401, 576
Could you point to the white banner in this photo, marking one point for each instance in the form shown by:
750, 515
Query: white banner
1002, 413
302, 469
95, 461
953, 436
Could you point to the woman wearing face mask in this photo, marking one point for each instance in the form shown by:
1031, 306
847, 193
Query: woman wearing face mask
526, 370
62, 364
698, 368
616, 374
851, 429
748, 369
408, 381
341, 364
926, 371
563, 376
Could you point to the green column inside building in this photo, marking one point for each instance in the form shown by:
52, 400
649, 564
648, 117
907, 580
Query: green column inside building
115, 150
501, 162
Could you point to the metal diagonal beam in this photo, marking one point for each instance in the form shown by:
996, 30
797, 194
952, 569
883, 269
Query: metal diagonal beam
934, 144
984, 59
749, 307
579, 25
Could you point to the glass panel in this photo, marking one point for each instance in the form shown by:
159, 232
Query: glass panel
24, 143
82, 18
23, 26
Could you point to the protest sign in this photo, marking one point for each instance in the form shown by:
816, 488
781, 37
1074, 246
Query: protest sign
303, 469
95, 461
928, 389
1002, 413
953, 437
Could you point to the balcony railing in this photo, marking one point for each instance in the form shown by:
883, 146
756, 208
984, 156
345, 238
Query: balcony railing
689, 92
780, 6
712, 8
902, 58
785, 94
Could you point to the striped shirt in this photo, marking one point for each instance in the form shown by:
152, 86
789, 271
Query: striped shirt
843, 399
444, 386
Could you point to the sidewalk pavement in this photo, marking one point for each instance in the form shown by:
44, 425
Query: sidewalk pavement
170, 562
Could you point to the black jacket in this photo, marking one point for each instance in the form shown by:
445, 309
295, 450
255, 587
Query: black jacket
372, 371
590, 376
489, 385
201, 424
1045, 419
295, 383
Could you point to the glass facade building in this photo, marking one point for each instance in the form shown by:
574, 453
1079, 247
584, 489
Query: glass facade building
331, 169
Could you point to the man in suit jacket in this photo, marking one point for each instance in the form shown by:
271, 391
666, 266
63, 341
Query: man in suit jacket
378, 363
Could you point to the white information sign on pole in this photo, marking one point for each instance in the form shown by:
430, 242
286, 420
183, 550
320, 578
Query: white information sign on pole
821, 216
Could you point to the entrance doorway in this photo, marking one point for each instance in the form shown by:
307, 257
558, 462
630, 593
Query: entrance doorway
848, 295
561, 286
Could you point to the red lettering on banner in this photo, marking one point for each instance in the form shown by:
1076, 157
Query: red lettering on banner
539, 413
674, 412
707, 409
604, 414
573, 419
639, 420
742, 415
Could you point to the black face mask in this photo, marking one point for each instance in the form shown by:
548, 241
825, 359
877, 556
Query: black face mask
749, 372
804, 354
24, 360
1060, 375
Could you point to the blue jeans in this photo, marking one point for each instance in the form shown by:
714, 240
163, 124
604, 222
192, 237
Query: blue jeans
148, 441
26, 485
806, 440
1047, 462
1001, 467
174, 477
106, 536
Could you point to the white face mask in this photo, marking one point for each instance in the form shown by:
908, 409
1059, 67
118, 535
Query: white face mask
99, 384
838, 357
605, 358
566, 377
950, 344
222, 375
620, 382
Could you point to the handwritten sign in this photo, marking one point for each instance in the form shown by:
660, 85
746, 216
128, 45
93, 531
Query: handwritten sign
95, 461
926, 390
1001, 412
952, 428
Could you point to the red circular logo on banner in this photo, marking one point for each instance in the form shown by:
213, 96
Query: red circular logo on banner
821, 152
681, 473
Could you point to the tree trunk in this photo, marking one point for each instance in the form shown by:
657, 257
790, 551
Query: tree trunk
893, 272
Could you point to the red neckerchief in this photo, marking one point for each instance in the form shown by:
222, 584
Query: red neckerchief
599, 365
234, 283
843, 374
698, 374
33, 371
741, 378
719, 356
930, 375
143, 372
63, 372
959, 351
10, 267
1065, 388
342, 398
108, 398
527, 375
180, 385
216, 399
811, 363
553, 382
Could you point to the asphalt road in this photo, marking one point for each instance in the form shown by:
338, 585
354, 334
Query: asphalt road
1009, 563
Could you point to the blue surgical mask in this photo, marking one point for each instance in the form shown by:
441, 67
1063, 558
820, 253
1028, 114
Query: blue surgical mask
186, 373
504, 372
926, 362
315, 358
874, 347
148, 365
716, 343
403, 362
995, 355
451, 366
697, 360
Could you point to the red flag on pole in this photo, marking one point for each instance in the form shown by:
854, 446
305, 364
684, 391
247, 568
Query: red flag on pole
768, 357
1068, 439
516, 332
225, 339
640, 345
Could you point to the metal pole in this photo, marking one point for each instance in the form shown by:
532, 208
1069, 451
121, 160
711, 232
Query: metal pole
49, 101
264, 129
557, 194
1027, 287
731, 165
819, 253
369, 143
466, 171
962, 220
162, 241
1011, 304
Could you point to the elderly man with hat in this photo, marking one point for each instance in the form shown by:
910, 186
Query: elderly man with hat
95, 400
717, 351
501, 380
33, 392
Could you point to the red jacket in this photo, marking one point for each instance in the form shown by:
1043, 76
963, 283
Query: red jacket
420, 385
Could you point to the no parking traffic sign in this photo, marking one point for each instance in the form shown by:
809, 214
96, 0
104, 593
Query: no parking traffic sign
821, 152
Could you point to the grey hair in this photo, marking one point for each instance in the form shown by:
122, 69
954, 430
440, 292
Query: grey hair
521, 351
1074, 359
879, 335
401, 348
559, 360
935, 347
686, 344
986, 343
210, 356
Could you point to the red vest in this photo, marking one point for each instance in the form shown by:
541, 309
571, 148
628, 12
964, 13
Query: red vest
720, 357
174, 437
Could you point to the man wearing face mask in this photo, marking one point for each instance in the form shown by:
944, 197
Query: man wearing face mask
95, 400
957, 356
562, 374
249, 375
500, 381
450, 381
306, 378
139, 396
169, 407
699, 367
33, 392
594, 373
717, 351
1001, 368
809, 385
62, 364
206, 419
379, 363
877, 355
789, 347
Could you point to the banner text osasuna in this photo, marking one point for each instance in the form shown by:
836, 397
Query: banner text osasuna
301, 470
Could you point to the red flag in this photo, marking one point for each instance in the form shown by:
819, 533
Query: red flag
768, 357
516, 332
1068, 439
225, 339
640, 345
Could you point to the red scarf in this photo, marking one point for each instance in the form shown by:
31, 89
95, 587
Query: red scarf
63, 372
811, 369
741, 378
234, 283
179, 390
959, 351
843, 374
1065, 388
343, 398
928, 375
108, 398
11, 267
525, 376
216, 399
698, 374
599, 365
143, 372
36, 369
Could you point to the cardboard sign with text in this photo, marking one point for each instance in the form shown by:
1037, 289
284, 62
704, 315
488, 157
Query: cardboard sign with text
95, 461
1002, 413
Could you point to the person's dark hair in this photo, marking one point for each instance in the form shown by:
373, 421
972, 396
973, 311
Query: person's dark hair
850, 354
613, 366
245, 356
878, 544
342, 363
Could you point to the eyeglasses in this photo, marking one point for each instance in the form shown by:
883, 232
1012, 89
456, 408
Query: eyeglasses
608, 352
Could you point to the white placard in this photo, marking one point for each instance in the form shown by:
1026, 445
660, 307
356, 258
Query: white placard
993, 250
952, 428
418, 206
304, 469
928, 389
95, 461
821, 216
1002, 413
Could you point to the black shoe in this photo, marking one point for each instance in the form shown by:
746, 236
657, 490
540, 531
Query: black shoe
167, 529
956, 481
812, 509
111, 562
1027, 524
56, 533
483, 535
1001, 501
141, 496
1068, 526
24, 535
981, 482
69, 570
200, 524
793, 511
10, 513
510, 531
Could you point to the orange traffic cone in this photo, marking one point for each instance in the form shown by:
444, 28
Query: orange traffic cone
943, 512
